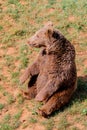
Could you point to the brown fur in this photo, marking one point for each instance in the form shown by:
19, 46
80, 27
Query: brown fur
53, 74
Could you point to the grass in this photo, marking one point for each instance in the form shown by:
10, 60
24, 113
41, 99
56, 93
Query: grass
1, 106
63, 124
33, 120
49, 124
10, 122
18, 21
10, 99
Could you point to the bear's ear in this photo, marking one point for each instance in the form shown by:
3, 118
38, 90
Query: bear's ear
49, 24
49, 28
55, 35
49, 32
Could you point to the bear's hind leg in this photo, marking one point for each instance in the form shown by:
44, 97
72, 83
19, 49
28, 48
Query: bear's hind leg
58, 100
32, 90
31, 93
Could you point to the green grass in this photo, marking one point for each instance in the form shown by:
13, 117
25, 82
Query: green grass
7, 118
5, 127
1, 28
19, 20
33, 120
10, 122
1, 106
63, 124
10, 99
49, 124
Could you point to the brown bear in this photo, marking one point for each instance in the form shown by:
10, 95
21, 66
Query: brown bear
53, 77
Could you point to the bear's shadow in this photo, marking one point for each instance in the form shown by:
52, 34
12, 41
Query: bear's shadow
79, 96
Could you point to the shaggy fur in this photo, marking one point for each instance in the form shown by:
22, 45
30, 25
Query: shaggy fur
53, 75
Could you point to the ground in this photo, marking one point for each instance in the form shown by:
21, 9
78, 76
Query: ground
19, 19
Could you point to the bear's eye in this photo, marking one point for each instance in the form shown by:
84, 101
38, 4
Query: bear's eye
38, 36
55, 35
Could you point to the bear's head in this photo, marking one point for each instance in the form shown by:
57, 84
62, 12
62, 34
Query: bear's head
47, 37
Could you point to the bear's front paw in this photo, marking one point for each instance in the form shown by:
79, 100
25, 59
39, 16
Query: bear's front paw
22, 79
25, 95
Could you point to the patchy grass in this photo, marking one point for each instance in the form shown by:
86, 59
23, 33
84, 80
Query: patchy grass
19, 19
49, 124
1, 106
